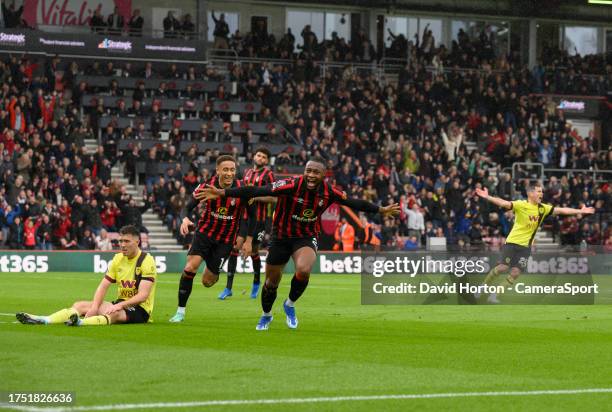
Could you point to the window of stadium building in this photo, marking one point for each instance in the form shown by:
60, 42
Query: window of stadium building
580, 40
232, 20
468, 27
339, 23
322, 24
432, 25
408, 26
496, 34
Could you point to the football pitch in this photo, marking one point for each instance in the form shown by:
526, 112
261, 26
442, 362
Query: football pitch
344, 356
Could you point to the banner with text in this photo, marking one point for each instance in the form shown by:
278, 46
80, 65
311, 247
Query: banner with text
468, 278
63, 13
98, 45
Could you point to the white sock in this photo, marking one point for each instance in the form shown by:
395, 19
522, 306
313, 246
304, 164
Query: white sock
289, 302
267, 313
44, 319
181, 310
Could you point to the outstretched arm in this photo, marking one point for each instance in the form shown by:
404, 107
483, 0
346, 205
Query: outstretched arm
368, 207
244, 192
571, 211
264, 199
497, 201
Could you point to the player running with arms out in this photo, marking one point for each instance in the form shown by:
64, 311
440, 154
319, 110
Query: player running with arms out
295, 229
214, 235
134, 273
254, 227
528, 217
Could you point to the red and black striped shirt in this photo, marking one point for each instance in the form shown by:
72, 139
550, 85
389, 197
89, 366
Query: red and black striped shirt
263, 177
298, 210
220, 218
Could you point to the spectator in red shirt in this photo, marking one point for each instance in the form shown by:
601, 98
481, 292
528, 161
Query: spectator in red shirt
17, 117
29, 234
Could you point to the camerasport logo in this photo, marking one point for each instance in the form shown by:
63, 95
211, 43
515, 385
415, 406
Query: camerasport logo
12, 39
119, 46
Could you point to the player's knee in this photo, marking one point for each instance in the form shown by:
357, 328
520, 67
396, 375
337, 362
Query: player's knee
302, 276
81, 306
190, 268
209, 281
303, 270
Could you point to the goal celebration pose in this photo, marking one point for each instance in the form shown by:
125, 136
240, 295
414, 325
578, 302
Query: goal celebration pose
254, 227
295, 229
528, 217
215, 233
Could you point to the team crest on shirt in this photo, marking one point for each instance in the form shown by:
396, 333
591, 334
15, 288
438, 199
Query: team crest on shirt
321, 202
308, 213
233, 202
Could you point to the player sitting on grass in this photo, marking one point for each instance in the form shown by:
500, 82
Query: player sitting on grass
134, 272
529, 215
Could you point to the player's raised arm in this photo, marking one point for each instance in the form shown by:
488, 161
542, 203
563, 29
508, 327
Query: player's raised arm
497, 201
571, 211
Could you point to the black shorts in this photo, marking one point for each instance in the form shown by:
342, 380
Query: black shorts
515, 256
280, 250
135, 314
260, 231
213, 253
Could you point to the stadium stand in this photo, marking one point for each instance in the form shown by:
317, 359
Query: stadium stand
118, 143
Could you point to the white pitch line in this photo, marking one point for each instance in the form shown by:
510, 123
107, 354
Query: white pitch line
164, 405
7, 314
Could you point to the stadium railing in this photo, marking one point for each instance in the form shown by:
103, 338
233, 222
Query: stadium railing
191, 125
131, 83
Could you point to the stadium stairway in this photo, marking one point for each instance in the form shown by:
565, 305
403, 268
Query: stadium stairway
160, 238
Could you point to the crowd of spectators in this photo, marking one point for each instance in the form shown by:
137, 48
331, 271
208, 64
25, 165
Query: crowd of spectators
383, 142
182, 27
54, 194
116, 24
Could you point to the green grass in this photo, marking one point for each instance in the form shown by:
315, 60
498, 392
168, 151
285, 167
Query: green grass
341, 348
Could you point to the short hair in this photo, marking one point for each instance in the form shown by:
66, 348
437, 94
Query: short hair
130, 230
533, 186
225, 158
264, 150
317, 159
